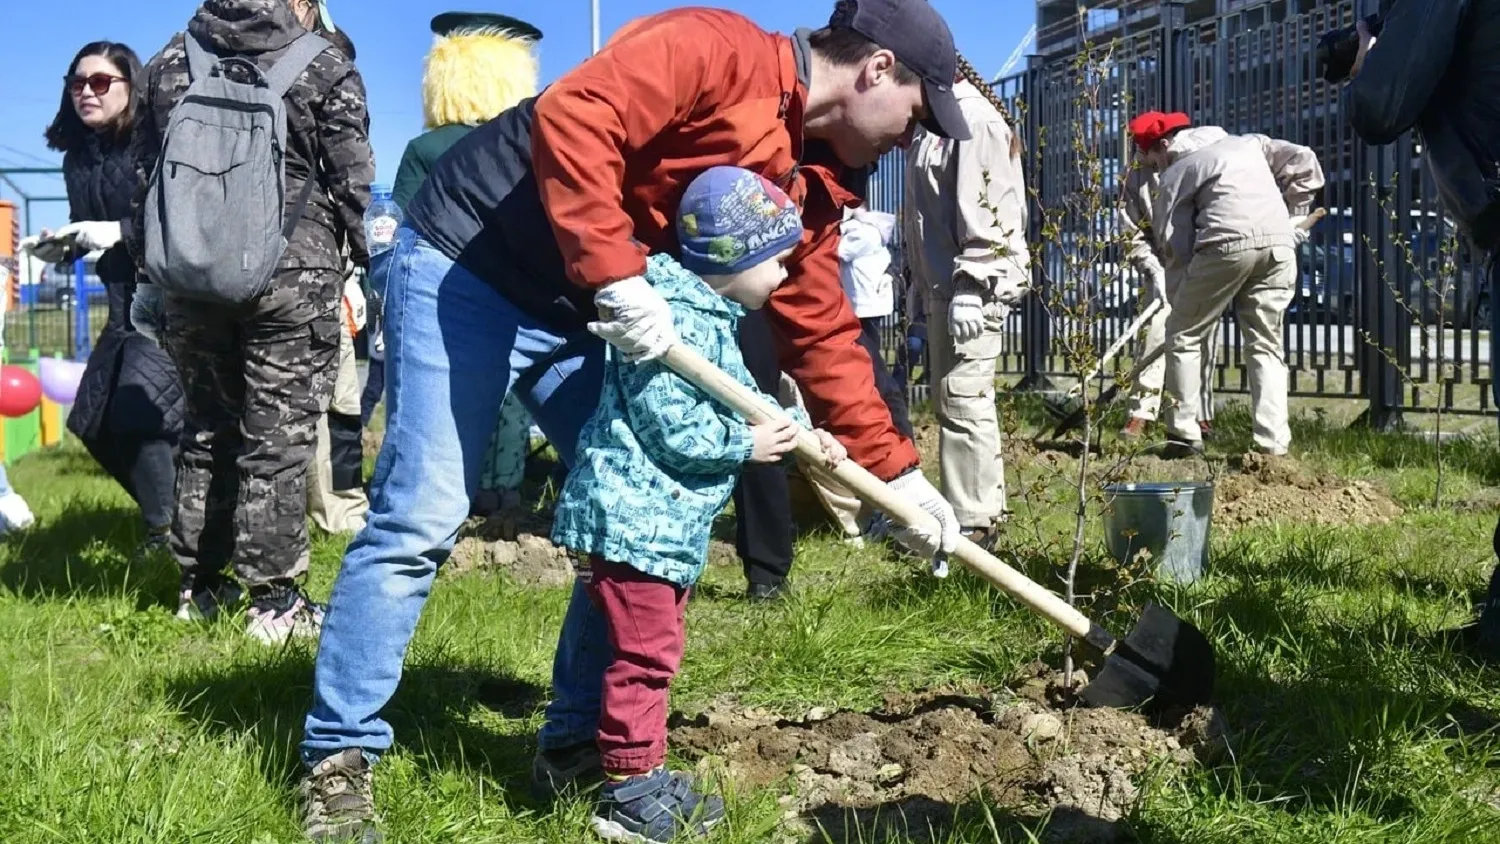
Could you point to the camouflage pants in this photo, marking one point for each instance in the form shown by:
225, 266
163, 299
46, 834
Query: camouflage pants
256, 380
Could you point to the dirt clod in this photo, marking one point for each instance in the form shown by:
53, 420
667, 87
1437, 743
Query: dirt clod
515, 542
917, 766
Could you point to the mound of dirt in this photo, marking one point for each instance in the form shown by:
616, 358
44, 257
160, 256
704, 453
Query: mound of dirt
516, 543
908, 768
1252, 489
1268, 489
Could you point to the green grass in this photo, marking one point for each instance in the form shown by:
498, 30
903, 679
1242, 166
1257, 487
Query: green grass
1354, 722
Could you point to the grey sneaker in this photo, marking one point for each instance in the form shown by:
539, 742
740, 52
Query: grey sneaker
203, 600
554, 772
274, 618
338, 801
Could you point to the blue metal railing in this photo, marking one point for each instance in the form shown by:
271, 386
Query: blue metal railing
83, 335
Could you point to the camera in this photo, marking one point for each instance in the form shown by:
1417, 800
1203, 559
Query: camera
1337, 49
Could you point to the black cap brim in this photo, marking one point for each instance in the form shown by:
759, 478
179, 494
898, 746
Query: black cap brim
944, 118
449, 23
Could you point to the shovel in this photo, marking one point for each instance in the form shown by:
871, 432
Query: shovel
1067, 406
1164, 662
1076, 417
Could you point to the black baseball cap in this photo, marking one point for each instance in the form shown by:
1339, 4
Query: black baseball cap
451, 23
919, 37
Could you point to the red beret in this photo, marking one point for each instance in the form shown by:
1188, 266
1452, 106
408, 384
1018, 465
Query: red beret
1149, 127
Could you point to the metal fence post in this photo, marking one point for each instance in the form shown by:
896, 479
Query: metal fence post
1378, 260
81, 340
1169, 87
1036, 328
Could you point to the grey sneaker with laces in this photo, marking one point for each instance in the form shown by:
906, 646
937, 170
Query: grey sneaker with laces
338, 801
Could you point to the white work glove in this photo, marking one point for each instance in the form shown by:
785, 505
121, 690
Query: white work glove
92, 234
966, 317
635, 319
921, 540
48, 253
1299, 234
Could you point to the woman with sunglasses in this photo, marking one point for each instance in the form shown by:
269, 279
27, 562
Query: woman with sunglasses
129, 407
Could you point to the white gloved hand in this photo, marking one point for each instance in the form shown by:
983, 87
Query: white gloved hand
92, 234
49, 252
921, 540
1299, 234
635, 319
966, 317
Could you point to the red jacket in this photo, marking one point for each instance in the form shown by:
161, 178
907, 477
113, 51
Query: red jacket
617, 140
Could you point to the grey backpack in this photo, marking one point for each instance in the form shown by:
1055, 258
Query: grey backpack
215, 217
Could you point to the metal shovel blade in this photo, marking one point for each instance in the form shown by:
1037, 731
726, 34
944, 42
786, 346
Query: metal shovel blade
1164, 662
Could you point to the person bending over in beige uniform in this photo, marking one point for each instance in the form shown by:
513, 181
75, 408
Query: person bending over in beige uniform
1229, 209
1138, 194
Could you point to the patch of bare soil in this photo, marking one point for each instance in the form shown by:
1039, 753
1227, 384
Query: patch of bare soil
907, 769
1252, 489
1266, 489
515, 542
370, 442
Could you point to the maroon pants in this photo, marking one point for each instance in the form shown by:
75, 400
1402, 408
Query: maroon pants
645, 616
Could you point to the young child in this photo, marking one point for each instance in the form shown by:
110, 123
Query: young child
656, 464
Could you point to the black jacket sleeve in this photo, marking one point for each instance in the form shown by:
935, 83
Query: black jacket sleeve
1402, 71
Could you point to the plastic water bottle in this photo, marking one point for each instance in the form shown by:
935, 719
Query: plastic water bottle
382, 219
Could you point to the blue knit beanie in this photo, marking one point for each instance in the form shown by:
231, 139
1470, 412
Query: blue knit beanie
731, 219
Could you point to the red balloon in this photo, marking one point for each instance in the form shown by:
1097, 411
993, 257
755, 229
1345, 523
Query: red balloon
20, 391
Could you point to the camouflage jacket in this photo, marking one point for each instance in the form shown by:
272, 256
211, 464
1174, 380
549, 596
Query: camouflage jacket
327, 123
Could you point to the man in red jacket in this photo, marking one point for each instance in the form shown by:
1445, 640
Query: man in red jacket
537, 221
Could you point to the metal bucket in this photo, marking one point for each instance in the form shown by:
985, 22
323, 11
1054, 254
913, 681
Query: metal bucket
1171, 520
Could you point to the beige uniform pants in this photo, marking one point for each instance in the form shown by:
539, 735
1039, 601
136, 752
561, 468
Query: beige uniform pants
1259, 283
841, 504
337, 510
963, 380
1145, 396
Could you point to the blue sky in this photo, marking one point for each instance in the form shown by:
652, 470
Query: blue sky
391, 37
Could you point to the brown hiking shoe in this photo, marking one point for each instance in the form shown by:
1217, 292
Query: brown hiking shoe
1134, 429
339, 801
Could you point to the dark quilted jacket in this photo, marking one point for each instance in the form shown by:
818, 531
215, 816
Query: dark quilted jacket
130, 390
101, 179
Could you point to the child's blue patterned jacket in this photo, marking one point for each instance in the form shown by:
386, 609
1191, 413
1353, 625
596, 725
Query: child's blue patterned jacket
658, 460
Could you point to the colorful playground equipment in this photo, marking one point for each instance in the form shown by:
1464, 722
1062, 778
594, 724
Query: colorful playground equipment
35, 391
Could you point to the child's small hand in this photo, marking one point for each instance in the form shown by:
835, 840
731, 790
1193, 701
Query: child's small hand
833, 450
773, 440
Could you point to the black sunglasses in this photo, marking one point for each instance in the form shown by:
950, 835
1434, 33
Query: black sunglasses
99, 83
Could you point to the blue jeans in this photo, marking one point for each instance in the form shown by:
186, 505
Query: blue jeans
454, 349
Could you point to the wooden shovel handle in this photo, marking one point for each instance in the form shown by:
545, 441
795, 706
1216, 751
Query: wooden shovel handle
1125, 337
870, 489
